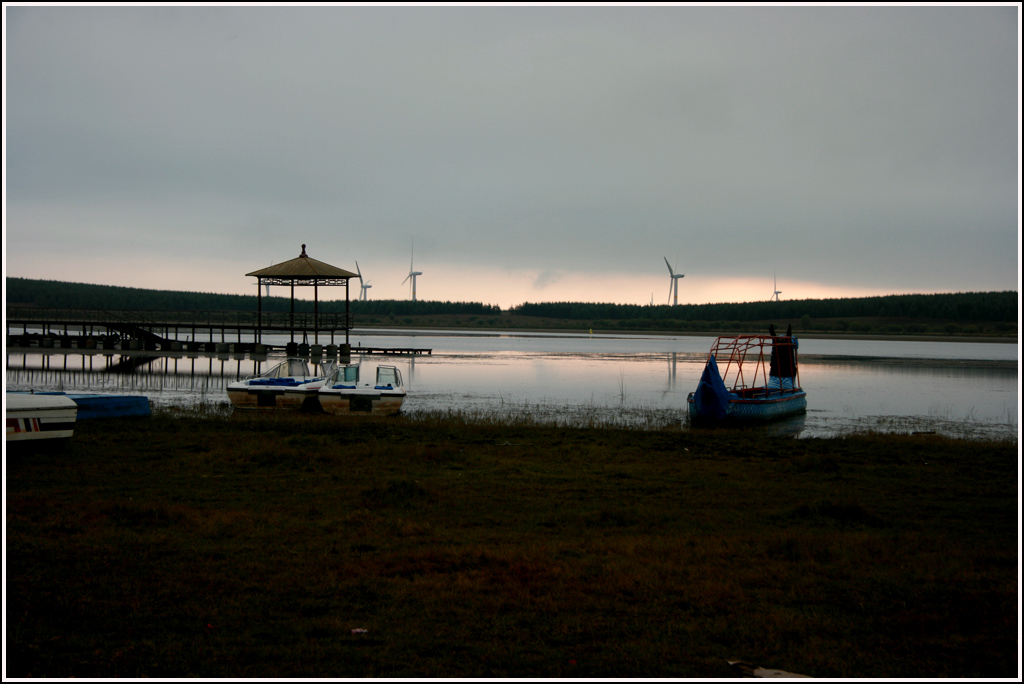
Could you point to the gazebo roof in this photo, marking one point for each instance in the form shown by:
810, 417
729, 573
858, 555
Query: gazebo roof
302, 267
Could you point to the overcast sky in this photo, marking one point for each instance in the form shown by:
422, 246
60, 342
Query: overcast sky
531, 153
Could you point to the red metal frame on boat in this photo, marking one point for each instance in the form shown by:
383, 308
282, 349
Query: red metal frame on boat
731, 352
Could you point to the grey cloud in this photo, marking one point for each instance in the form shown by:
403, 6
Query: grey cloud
546, 279
848, 142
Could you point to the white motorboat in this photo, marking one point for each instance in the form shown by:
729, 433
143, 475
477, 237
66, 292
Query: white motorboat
343, 392
290, 384
33, 417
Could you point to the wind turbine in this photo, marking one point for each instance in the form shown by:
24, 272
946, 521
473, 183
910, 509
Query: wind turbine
673, 285
363, 287
775, 286
412, 274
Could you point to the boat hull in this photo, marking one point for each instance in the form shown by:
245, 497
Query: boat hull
375, 402
36, 417
771, 406
92, 406
288, 385
255, 397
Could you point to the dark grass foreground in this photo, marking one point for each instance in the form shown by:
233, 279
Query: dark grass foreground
253, 546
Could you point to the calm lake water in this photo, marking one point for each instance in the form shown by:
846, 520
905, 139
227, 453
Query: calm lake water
964, 389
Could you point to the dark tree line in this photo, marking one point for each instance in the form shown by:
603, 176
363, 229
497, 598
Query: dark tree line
404, 307
1000, 307
964, 306
56, 294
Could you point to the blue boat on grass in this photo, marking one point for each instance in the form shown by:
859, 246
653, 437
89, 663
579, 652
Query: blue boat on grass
92, 406
34, 416
749, 379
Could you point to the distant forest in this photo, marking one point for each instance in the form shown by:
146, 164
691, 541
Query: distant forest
963, 312
969, 306
56, 294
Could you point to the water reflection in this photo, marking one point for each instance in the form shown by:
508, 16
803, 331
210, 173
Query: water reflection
959, 400
167, 379
638, 388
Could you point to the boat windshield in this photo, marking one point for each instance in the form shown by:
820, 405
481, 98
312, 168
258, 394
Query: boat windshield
388, 375
289, 368
325, 368
345, 374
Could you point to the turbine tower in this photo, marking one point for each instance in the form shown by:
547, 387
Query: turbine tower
775, 286
412, 274
673, 284
363, 287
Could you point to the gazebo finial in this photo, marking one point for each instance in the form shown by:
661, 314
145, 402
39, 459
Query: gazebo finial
304, 252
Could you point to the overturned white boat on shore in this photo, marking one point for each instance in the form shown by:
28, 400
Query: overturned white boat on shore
34, 417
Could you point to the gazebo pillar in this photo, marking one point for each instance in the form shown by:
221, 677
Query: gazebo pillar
259, 311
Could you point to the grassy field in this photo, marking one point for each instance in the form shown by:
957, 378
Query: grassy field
253, 545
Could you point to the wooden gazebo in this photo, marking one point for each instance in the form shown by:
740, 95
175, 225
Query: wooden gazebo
302, 271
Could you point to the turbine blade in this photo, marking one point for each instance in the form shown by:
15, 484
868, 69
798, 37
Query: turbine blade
670, 271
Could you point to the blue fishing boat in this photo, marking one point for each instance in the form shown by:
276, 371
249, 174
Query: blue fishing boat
749, 379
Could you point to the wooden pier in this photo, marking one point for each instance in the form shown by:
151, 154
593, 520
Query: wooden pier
173, 331
157, 328
405, 351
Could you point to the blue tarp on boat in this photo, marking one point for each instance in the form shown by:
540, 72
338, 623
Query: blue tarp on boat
712, 397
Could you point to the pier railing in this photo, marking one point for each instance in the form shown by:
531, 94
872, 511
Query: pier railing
54, 319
